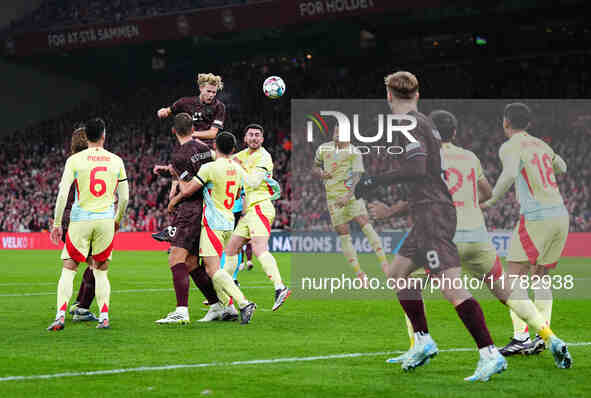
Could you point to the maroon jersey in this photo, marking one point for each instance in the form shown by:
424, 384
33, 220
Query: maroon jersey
68, 208
430, 241
431, 188
187, 159
204, 116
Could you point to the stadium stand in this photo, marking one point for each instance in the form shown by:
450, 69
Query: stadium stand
60, 14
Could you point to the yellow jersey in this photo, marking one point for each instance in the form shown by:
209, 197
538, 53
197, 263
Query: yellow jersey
536, 187
95, 172
341, 164
462, 172
222, 179
257, 161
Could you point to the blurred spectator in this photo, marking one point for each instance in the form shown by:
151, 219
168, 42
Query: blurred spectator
53, 14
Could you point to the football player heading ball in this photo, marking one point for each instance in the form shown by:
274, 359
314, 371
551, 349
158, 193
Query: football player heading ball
208, 115
207, 111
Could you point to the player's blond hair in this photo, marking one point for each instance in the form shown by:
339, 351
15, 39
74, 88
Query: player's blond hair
79, 141
210, 78
402, 84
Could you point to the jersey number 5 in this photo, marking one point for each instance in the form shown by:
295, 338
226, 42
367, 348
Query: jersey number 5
229, 203
94, 182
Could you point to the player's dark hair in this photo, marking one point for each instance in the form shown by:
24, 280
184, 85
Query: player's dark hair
225, 142
445, 122
183, 123
518, 114
254, 126
79, 140
95, 129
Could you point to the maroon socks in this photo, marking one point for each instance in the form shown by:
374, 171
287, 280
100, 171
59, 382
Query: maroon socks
472, 316
86, 293
249, 252
204, 283
180, 279
411, 301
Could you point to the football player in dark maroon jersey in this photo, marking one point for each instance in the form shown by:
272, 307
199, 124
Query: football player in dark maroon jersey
187, 159
430, 241
208, 114
207, 111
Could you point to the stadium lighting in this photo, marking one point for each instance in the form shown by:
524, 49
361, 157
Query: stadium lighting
480, 41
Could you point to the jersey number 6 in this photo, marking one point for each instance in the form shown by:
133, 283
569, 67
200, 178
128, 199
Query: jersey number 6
97, 181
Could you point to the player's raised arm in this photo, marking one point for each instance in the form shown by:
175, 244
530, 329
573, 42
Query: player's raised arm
162, 170
510, 161
163, 113
379, 210
413, 169
178, 106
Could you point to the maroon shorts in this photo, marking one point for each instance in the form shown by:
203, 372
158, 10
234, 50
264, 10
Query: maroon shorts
186, 228
430, 241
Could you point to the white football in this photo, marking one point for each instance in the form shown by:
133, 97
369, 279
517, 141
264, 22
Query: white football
274, 87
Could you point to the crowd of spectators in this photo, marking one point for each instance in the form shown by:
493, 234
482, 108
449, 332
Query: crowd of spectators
31, 160
63, 13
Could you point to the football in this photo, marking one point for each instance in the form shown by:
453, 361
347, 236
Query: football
274, 87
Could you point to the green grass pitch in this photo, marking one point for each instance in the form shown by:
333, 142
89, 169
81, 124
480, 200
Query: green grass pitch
280, 354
